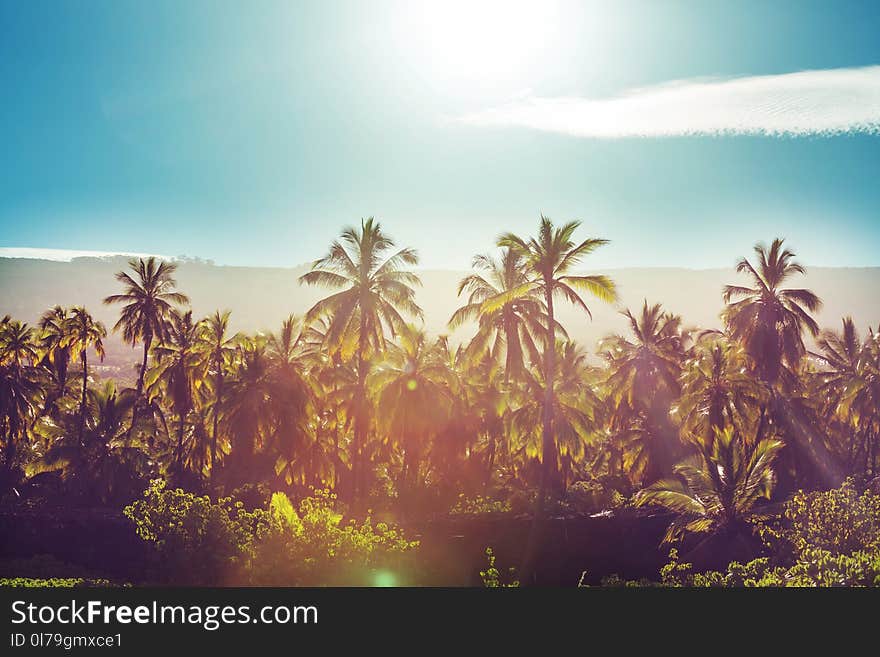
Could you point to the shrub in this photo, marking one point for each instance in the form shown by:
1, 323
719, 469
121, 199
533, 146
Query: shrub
196, 541
492, 577
312, 546
839, 521
54, 582
478, 505
202, 542
825, 538
592, 497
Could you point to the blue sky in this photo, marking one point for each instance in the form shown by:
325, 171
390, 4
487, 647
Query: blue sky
250, 133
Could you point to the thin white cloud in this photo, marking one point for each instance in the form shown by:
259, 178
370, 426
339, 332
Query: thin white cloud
823, 102
65, 255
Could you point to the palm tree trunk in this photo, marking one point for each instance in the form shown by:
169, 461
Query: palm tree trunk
218, 397
181, 425
548, 451
148, 341
490, 460
548, 443
82, 403
360, 419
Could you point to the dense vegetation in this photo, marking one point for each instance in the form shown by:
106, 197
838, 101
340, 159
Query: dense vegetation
353, 409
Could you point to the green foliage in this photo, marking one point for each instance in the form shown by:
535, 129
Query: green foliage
312, 545
196, 541
55, 582
593, 497
203, 542
478, 505
825, 538
839, 521
492, 577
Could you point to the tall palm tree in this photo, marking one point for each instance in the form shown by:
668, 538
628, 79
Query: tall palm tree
84, 333
414, 398
53, 334
373, 290
848, 390
508, 329
18, 387
219, 347
767, 318
180, 368
549, 259
289, 403
148, 303
651, 361
572, 415
717, 389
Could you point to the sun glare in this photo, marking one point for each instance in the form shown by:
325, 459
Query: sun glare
478, 40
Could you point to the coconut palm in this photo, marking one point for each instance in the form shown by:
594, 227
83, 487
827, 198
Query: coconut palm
643, 382
373, 291
508, 309
549, 260
717, 488
717, 389
18, 386
414, 398
768, 319
289, 403
572, 413
56, 355
83, 332
148, 302
180, 369
219, 348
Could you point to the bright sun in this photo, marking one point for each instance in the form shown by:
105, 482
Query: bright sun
478, 40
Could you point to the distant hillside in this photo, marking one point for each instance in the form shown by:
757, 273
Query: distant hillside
260, 297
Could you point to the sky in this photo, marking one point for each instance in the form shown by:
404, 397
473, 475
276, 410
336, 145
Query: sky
251, 133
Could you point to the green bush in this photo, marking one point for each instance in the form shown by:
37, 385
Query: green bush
312, 546
592, 497
492, 577
839, 521
478, 505
824, 538
198, 541
59, 582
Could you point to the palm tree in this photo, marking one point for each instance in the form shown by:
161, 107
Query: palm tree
651, 362
147, 306
180, 368
18, 387
508, 329
768, 319
572, 415
848, 390
219, 347
717, 488
717, 389
289, 403
374, 290
82, 333
53, 334
414, 398
549, 259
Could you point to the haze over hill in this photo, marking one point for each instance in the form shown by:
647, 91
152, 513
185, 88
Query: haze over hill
261, 297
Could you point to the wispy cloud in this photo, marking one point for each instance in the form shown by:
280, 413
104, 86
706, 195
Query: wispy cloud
822, 102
